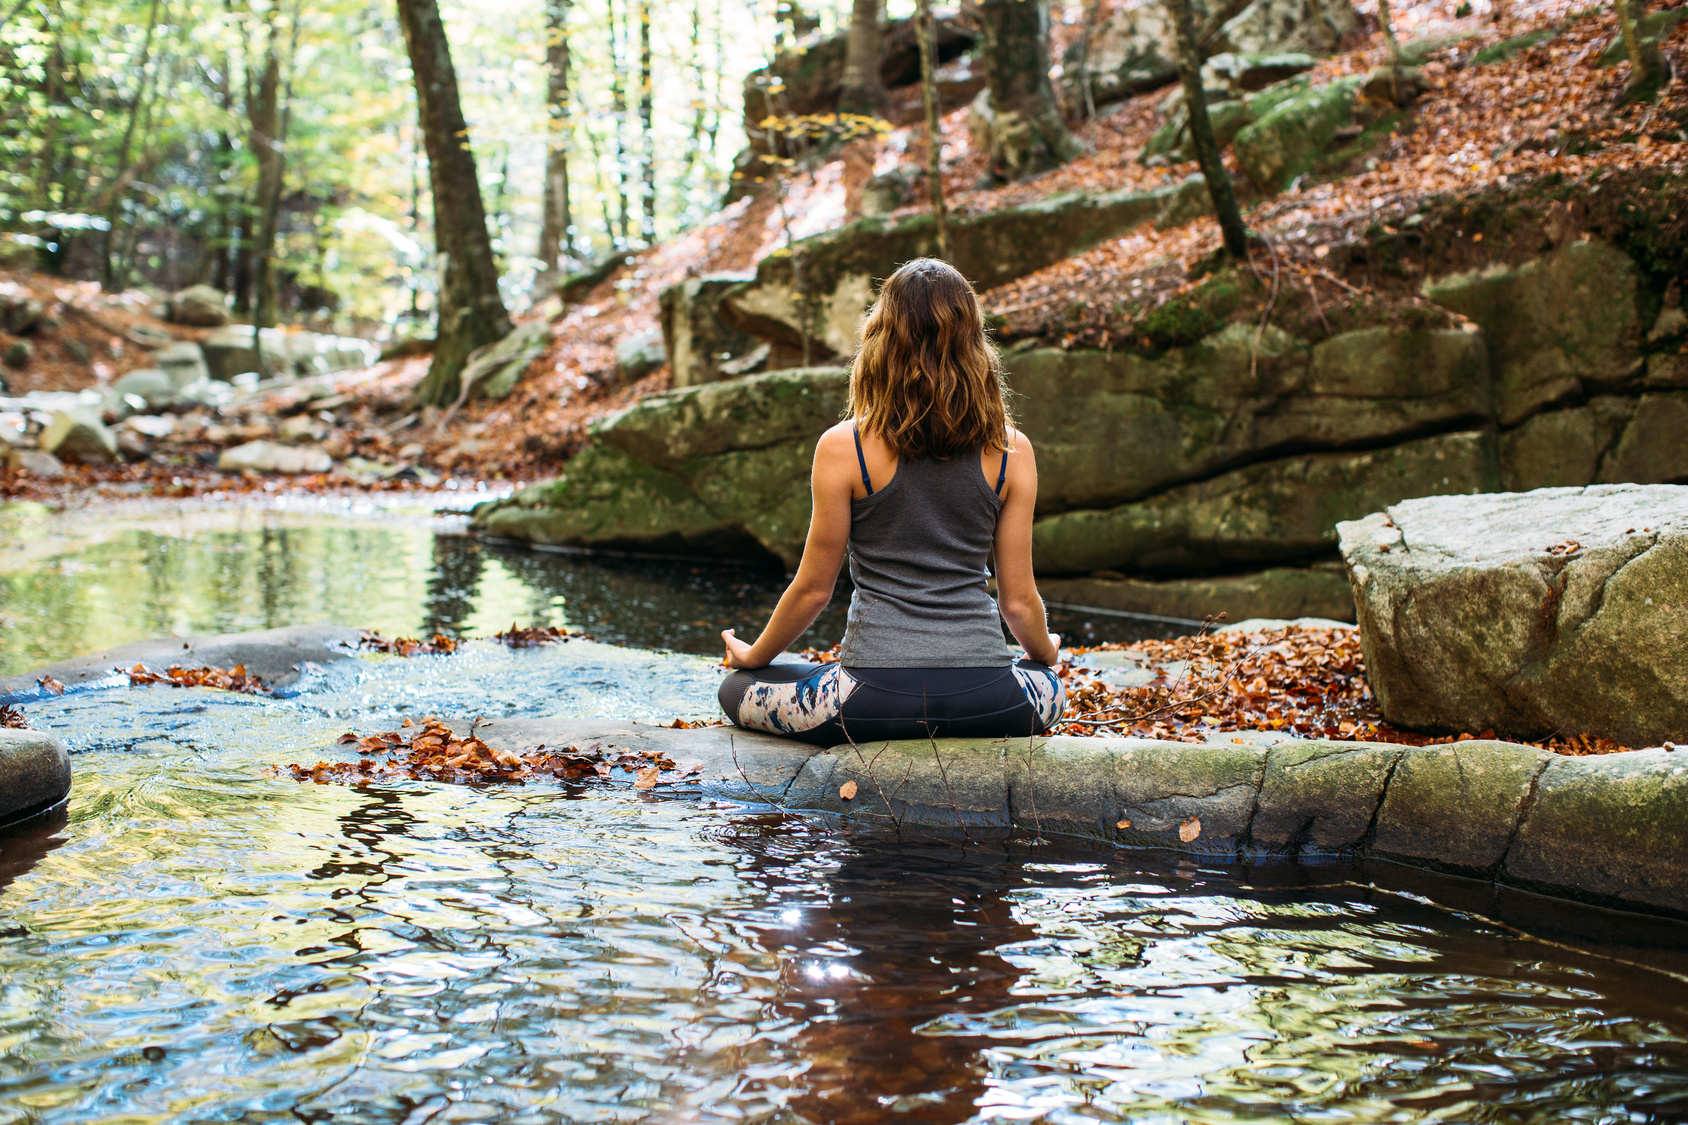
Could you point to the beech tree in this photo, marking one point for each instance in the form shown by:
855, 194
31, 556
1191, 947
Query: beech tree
1027, 133
471, 312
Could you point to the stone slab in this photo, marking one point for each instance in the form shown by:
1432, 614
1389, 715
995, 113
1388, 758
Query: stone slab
273, 655
1457, 806
34, 774
1319, 797
942, 783
1610, 828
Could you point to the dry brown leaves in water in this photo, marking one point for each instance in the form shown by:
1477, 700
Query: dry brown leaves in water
437, 645
1303, 681
535, 635
223, 679
11, 718
434, 753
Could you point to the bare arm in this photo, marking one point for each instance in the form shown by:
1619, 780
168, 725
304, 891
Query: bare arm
1016, 588
823, 554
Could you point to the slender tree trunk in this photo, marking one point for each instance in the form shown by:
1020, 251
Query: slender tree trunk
471, 312
1201, 133
695, 149
618, 99
647, 135
1394, 47
934, 124
109, 265
864, 85
52, 93
1027, 135
1092, 13
554, 238
1648, 69
264, 117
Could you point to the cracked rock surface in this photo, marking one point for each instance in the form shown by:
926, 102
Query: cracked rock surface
1558, 611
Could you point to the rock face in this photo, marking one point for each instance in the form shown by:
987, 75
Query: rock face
183, 362
638, 356
80, 436
200, 306
839, 268
1314, 26
34, 774
1559, 610
1206, 478
1134, 49
1284, 141
494, 372
150, 384
696, 340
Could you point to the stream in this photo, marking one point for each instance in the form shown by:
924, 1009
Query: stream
206, 939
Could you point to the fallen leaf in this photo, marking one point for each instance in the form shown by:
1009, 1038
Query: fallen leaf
1190, 829
51, 685
847, 791
647, 778
1123, 824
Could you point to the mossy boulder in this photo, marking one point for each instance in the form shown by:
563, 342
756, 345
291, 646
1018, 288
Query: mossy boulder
1556, 325
1288, 140
607, 499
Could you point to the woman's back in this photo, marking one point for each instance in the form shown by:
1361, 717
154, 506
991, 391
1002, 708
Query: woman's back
918, 548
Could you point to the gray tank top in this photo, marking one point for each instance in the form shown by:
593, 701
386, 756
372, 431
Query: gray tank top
918, 548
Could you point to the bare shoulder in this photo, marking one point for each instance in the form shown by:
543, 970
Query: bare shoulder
1018, 442
839, 439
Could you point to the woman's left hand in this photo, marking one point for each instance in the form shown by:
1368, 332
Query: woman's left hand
738, 653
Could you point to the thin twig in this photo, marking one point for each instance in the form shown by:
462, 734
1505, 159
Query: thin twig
1313, 290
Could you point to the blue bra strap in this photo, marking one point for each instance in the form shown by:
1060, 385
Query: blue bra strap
867, 481
1002, 476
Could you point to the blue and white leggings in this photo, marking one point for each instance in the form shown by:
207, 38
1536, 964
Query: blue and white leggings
829, 705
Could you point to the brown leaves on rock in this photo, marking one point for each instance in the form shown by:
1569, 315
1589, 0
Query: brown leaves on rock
223, 679
1190, 829
848, 791
48, 684
435, 753
535, 635
11, 718
1304, 682
437, 645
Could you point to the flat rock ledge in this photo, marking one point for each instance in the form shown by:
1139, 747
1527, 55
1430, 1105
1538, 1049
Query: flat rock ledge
1609, 830
34, 775
276, 656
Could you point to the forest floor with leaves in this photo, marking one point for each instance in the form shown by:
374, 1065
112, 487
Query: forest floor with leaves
1494, 163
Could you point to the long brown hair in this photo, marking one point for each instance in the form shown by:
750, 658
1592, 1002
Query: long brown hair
926, 379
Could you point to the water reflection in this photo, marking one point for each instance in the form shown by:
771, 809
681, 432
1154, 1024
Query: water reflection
75, 584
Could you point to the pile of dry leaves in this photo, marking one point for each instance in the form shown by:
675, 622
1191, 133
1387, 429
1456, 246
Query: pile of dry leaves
437, 645
435, 753
223, 679
535, 635
1305, 682
11, 718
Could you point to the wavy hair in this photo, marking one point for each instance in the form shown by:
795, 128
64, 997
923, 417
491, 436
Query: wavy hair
926, 379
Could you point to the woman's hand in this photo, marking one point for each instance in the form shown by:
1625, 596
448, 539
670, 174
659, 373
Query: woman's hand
738, 653
1048, 658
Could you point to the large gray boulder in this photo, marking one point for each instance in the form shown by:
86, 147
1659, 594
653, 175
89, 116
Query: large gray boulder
271, 352
183, 362
200, 306
274, 457
1559, 611
34, 774
1315, 26
79, 435
150, 384
1135, 50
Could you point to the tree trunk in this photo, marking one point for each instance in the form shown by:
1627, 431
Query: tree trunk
647, 137
618, 99
864, 86
471, 312
1092, 13
1393, 45
1027, 135
934, 124
554, 239
109, 265
1201, 133
264, 116
1647, 67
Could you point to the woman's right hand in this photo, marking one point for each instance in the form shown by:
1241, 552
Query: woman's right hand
738, 653
1052, 655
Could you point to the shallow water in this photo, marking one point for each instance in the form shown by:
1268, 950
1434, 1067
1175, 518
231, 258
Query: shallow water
204, 940
86, 580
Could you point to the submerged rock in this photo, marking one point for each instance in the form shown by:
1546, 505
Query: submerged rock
1562, 610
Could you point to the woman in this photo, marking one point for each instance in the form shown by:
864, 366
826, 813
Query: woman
918, 486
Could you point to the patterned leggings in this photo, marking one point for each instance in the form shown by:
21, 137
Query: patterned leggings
828, 705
